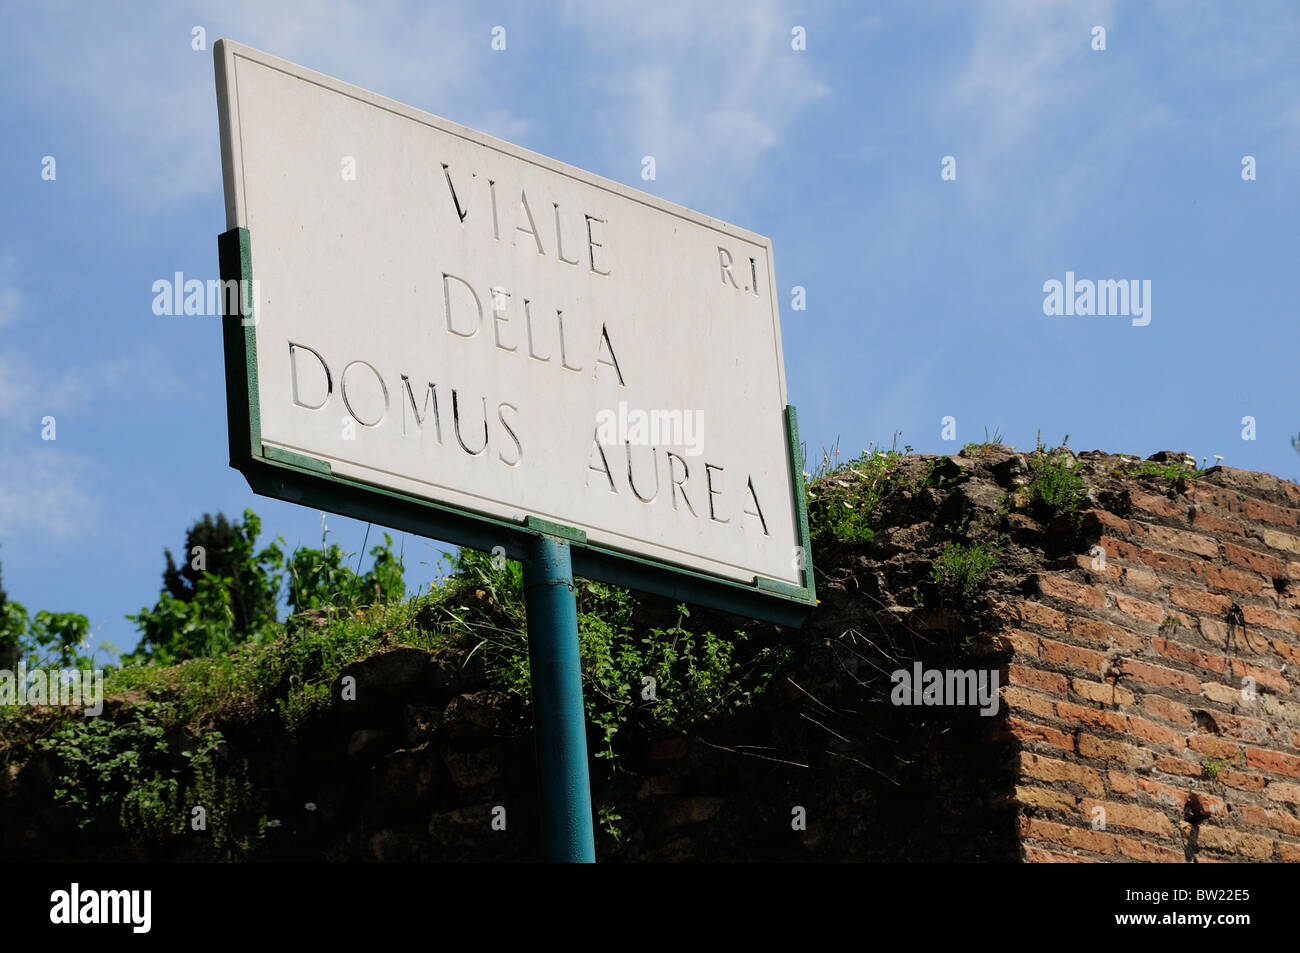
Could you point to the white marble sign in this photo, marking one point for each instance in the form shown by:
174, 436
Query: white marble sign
455, 318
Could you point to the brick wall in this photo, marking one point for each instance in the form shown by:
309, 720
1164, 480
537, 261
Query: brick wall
1153, 684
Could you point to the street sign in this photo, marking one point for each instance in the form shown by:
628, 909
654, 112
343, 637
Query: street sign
445, 333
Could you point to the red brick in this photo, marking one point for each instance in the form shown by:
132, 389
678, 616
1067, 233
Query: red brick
1025, 731
1179, 539
1270, 566
1106, 693
1199, 600
1138, 609
1241, 727
1246, 479
1142, 580
1287, 651
1168, 562
1170, 765
1121, 783
1274, 761
1094, 518
1073, 655
1207, 804
1092, 717
1249, 639
1105, 634
1286, 542
1157, 505
1235, 842
1058, 588
1223, 694
1045, 798
1017, 699
1158, 675
1212, 746
1080, 838
1262, 676
1259, 511
1163, 793
1263, 817
1088, 564
1054, 771
1038, 614
1241, 780
1016, 641
1221, 498
1189, 654
1036, 678
1117, 550
1235, 580
1091, 746
1150, 853
1036, 855
1169, 710
1259, 615
1159, 734
1283, 791
1119, 814
1201, 519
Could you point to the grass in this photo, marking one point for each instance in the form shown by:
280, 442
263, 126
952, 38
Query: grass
845, 500
1211, 767
290, 673
1055, 490
989, 442
1149, 469
962, 570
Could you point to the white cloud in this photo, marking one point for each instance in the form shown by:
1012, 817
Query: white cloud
42, 497
10, 302
708, 90
147, 100
27, 394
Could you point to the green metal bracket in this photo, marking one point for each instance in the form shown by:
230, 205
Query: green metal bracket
295, 459
555, 529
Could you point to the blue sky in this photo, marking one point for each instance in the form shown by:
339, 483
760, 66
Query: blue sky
924, 296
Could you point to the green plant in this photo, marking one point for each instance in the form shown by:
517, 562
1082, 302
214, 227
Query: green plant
1211, 767
962, 570
320, 578
608, 818
100, 762
663, 678
225, 549
1149, 469
207, 612
845, 500
989, 442
1055, 489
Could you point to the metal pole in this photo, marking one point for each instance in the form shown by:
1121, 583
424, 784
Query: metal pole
560, 722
